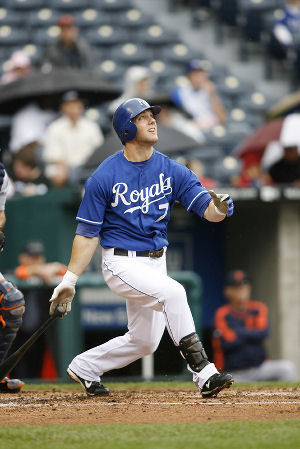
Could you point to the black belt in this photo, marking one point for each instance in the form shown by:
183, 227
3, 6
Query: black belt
154, 253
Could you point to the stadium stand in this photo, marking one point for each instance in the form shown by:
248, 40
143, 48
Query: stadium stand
122, 33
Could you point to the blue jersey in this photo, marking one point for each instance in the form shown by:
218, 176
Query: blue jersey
128, 203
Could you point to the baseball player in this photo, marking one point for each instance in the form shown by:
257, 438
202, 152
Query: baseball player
127, 204
12, 304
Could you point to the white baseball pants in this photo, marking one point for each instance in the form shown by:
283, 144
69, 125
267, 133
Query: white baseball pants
153, 301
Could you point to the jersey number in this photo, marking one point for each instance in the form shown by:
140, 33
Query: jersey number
165, 207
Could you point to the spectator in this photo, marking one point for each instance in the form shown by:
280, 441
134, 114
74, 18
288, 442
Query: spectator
26, 174
34, 269
173, 118
29, 124
19, 65
287, 169
199, 98
240, 330
69, 141
32, 264
69, 50
252, 174
196, 166
138, 83
288, 25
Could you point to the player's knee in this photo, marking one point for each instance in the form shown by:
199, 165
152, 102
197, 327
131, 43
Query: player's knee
175, 292
146, 347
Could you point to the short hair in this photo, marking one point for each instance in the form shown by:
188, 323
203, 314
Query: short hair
27, 154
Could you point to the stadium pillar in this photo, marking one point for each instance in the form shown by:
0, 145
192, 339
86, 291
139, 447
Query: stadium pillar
289, 283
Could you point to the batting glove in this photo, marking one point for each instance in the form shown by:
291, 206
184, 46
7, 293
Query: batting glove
223, 203
63, 294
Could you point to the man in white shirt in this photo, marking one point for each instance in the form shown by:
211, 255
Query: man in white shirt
199, 98
69, 140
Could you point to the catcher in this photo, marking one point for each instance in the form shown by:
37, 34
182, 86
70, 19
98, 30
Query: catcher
12, 304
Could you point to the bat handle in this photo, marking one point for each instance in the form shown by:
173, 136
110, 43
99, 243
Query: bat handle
56, 314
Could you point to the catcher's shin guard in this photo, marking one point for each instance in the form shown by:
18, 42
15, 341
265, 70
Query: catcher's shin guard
193, 352
12, 307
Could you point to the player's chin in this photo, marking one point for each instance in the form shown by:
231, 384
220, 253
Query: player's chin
153, 139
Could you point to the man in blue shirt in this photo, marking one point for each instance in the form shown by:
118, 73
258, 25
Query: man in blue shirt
127, 205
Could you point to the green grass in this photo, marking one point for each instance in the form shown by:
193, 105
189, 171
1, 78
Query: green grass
223, 435
150, 385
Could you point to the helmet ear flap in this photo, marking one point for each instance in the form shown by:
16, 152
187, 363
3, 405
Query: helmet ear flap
129, 132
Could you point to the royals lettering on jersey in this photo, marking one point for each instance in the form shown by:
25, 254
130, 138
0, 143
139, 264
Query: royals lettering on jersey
129, 203
156, 191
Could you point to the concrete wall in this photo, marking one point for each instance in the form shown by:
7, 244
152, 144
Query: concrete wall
264, 239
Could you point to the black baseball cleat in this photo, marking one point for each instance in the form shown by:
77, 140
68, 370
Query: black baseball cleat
10, 385
92, 388
215, 384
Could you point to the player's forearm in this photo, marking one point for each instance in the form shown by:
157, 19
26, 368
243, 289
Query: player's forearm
218, 108
82, 253
2, 219
211, 214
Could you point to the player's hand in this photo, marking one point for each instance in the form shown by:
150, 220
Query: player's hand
62, 298
63, 294
223, 202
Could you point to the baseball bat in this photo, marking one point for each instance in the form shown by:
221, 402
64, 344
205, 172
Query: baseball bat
13, 359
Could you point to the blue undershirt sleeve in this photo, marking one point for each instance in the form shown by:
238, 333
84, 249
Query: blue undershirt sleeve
88, 230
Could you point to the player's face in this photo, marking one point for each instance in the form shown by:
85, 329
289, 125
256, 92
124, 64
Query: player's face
238, 296
146, 127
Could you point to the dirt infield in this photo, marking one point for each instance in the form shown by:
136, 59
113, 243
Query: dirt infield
149, 406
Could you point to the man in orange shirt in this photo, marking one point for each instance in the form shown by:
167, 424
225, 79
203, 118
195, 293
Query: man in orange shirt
241, 326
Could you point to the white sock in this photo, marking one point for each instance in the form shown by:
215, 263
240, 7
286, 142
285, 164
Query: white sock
203, 375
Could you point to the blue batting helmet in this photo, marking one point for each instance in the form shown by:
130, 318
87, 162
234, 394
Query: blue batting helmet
122, 124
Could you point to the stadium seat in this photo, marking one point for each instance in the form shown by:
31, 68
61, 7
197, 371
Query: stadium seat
9, 17
111, 71
225, 168
98, 114
256, 103
238, 116
34, 52
44, 17
133, 19
206, 153
226, 136
68, 6
112, 6
156, 36
179, 53
163, 71
90, 17
233, 87
130, 53
106, 36
10, 36
43, 36
25, 5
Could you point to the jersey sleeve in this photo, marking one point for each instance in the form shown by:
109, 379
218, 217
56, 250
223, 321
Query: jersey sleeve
92, 209
190, 192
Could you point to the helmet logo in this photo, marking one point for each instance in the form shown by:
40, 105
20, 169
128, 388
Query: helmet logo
143, 102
